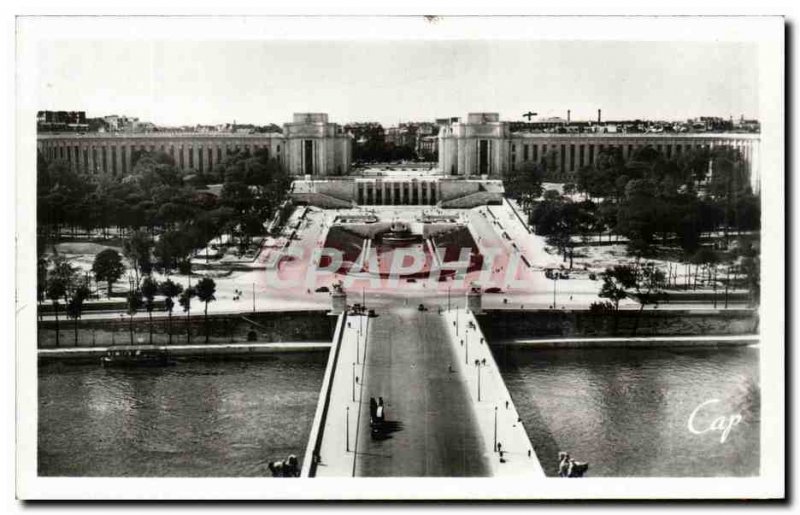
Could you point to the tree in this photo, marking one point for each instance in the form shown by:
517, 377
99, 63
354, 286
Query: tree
650, 283
205, 292
185, 300
558, 218
56, 289
525, 184
638, 213
707, 257
75, 305
108, 267
617, 281
751, 268
170, 290
60, 282
172, 250
645, 282
137, 249
41, 279
134, 303
149, 290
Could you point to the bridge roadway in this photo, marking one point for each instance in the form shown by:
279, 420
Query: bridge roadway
431, 427
438, 423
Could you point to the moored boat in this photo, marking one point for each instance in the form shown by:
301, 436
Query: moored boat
137, 356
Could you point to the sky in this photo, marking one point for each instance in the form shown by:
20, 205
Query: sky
209, 82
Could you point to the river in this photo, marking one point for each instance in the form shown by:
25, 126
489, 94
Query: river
626, 411
198, 418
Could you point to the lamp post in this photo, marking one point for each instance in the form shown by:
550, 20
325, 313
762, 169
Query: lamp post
354, 382
715, 286
495, 430
552, 274
727, 285
347, 430
478, 365
358, 345
555, 279
466, 346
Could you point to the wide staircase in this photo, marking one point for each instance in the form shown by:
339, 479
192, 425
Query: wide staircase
321, 200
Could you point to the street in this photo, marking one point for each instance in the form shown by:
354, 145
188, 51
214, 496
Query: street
431, 429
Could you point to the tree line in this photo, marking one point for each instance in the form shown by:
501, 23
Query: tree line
162, 214
647, 199
159, 198
652, 201
60, 282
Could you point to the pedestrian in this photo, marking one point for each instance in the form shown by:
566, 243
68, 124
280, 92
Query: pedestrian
373, 408
276, 467
291, 468
563, 464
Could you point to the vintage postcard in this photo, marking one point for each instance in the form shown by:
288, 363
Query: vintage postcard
406, 258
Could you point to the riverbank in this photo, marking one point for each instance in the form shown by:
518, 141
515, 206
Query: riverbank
210, 350
641, 342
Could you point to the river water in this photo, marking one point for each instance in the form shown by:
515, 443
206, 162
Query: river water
198, 418
627, 411
624, 411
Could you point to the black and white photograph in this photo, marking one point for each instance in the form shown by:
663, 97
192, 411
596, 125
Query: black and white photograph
400, 258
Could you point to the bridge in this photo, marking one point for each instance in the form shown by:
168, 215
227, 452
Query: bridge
448, 412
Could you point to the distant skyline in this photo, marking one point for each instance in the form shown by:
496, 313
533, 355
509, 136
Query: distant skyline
261, 82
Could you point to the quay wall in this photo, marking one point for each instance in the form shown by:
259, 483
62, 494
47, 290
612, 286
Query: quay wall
501, 325
289, 326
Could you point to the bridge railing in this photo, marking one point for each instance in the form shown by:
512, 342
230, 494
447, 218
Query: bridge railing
312, 457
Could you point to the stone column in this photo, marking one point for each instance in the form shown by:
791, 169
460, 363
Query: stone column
116, 154
104, 158
92, 150
128, 157
195, 156
569, 153
185, 155
323, 157
461, 157
81, 157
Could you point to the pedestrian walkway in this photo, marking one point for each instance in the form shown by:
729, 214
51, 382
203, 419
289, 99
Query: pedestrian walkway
338, 429
495, 413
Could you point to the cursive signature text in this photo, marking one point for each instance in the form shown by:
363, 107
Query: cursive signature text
723, 424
